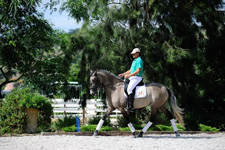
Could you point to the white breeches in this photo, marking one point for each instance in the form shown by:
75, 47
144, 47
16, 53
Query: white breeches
133, 82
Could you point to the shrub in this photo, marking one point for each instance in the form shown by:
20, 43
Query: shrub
203, 127
65, 122
106, 128
169, 128
72, 128
137, 127
13, 118
94, 120
164, 128
124, 129
92, 128
88, 128
123, 123
180, 128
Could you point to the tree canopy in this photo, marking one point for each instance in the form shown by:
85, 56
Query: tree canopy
181, 44
29, 47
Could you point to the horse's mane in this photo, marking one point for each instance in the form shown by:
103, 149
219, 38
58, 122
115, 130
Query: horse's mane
110, 73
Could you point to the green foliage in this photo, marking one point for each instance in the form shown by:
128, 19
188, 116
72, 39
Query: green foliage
25, 37
158, 127
88, 128
164, 128
95, 120
168, 128
180, 128
30, 48
92, 128
203, 127
72, 128
137, 127
64, 123
13, 117
182, 46
52, 72
124, 129
106, 128
123, 123
28, 99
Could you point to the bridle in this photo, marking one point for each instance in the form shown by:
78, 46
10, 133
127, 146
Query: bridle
99, 85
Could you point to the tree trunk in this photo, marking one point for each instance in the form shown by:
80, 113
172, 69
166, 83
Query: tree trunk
84, 118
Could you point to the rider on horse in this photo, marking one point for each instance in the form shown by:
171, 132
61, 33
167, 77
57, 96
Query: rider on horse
134, 75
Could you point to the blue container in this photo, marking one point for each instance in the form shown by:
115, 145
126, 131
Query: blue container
78, 123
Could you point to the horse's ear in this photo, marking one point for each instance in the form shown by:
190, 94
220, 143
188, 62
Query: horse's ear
91, 72
95, 73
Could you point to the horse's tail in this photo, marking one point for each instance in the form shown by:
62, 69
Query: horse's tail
176, 109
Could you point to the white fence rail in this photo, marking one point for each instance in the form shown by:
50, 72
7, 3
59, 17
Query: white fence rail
72, 108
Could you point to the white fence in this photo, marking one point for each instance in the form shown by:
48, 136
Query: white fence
72, 108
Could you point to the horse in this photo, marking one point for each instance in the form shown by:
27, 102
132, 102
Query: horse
157, 95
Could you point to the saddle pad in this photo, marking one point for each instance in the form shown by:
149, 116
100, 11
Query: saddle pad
140, 92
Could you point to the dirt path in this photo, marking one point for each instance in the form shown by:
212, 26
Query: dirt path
151, 141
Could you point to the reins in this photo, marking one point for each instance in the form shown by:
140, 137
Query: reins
101, 85
111, 85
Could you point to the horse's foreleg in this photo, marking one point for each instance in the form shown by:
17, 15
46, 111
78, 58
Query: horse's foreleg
170, 116
153, 115
130, 125
100, 123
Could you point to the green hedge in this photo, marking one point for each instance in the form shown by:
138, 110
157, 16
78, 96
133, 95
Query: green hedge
155, 128
203, 127
87, 128
13, 118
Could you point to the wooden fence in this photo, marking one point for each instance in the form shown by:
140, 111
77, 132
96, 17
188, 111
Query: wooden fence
94, 107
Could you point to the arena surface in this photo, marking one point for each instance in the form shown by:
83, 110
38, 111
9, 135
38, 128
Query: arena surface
200, 141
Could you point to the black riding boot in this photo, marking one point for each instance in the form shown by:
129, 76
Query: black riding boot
131, 103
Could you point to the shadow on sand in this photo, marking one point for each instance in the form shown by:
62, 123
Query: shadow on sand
180, 137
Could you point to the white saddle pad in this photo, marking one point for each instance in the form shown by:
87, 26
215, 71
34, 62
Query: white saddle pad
140, 92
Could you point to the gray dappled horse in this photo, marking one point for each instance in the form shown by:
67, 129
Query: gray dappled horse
157, 95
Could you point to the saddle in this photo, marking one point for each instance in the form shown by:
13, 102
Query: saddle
139, 90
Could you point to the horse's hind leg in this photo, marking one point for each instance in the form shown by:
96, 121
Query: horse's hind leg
152, 118
100, 123
170, 116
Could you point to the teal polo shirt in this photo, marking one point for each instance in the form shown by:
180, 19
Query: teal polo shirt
137, 63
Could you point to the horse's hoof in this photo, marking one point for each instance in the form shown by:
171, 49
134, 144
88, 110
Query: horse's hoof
140, 135
177, 134
95, 133
134, 135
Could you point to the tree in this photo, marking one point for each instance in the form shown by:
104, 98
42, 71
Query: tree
29, 47
181, 42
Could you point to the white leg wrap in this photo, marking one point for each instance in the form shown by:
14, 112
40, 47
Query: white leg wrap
147, 126
174, 125
131, 127
100, 124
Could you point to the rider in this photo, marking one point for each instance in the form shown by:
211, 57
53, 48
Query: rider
134, 75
